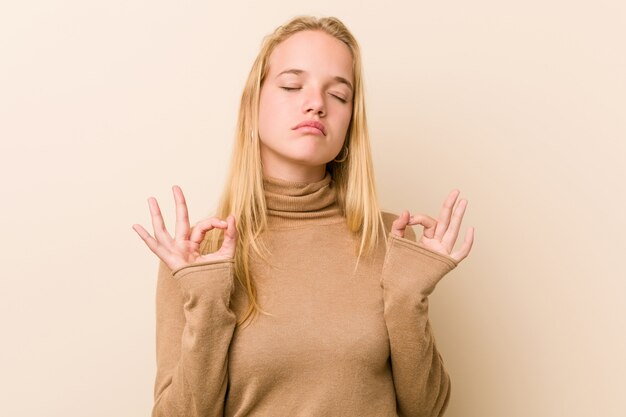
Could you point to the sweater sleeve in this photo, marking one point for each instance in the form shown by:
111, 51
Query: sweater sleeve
409, 275
194, 327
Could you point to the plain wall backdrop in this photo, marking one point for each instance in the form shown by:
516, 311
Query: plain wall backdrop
519, 104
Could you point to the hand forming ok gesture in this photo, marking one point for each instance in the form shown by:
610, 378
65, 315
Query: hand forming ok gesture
439, 235
184, 248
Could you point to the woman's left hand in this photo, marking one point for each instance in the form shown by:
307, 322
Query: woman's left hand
439, 235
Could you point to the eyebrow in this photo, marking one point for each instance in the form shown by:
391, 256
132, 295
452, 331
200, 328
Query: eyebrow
299, 71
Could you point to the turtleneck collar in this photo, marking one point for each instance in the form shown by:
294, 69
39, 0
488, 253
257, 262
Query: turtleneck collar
294, 203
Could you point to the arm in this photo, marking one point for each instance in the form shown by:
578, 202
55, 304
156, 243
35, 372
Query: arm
409, 275
194, 327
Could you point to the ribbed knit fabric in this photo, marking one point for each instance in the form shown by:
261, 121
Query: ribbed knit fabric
296, 204
336, 343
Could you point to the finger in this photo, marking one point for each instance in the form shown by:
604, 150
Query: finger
398, 226
152, 243
160, 232
467, 245
146, 237
229, 243
445, 214
449, 238
427, 222
200, 229
182, 215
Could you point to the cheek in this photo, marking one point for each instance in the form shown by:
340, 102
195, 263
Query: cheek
345, 119
266, 110
272, 109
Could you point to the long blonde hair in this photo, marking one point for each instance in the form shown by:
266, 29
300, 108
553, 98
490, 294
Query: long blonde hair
243, 193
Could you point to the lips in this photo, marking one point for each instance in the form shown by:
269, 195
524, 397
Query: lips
312, 123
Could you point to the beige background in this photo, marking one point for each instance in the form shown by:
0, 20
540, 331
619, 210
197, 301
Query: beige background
519, 104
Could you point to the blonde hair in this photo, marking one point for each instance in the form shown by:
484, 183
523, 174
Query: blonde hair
243, 194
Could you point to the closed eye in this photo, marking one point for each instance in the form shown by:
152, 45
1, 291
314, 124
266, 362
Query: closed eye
297, 88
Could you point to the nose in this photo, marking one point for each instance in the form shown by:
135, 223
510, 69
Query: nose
314, 102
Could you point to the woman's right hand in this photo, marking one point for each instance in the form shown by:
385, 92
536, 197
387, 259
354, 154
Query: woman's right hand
184, 248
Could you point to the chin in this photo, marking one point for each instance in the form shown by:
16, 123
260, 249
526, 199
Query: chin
307, 159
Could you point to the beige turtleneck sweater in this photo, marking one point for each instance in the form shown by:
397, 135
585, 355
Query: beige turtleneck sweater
337, 344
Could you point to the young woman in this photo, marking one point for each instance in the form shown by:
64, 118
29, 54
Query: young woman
300, 297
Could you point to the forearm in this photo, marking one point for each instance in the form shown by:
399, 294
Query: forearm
410, 274
194, 330
421, 380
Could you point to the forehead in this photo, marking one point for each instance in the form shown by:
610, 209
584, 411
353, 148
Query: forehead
315, 52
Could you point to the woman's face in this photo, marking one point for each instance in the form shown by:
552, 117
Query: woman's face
309, 79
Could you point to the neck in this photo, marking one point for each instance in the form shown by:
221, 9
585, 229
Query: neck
301, 203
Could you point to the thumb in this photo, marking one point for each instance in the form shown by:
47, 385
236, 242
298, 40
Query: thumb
230, 236
398, 226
